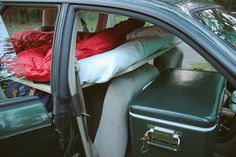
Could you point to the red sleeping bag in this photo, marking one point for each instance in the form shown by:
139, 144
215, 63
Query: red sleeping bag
31, 39
34, 47
106, 39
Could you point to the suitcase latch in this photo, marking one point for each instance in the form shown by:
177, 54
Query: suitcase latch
161, 137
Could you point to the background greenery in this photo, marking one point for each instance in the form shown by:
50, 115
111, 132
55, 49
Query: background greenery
18, 19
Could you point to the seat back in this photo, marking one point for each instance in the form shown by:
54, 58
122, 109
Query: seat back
112, 134
169, 60
94, 98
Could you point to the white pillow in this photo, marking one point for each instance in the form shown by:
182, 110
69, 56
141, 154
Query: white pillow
102, 67
150, 31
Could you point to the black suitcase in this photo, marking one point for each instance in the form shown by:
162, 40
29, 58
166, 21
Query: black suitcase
176, 115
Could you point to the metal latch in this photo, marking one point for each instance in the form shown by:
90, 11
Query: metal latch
161, 137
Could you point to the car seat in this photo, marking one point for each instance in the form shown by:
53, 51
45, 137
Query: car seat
171, 59
112, 134
94, 97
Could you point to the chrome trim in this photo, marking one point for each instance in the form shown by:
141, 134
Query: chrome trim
176, 124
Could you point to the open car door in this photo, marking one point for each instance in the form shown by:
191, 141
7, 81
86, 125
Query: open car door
25, 124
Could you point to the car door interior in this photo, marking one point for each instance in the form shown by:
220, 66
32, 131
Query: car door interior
26, 125
26, 129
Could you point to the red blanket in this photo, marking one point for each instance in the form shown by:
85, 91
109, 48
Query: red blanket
34, 47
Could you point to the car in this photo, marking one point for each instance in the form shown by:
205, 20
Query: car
105, 78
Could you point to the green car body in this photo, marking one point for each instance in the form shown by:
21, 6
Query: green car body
28, 119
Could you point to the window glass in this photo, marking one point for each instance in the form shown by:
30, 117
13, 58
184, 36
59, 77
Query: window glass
7, 52
90, 19
17, 19
220, 22
115, 18
26, 36
192, 60
119, 18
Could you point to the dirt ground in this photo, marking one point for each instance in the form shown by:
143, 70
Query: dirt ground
191, 58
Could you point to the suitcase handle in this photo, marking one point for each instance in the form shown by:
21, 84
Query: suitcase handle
162, 138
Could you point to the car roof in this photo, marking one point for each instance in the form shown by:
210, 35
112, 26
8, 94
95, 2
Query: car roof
184, 5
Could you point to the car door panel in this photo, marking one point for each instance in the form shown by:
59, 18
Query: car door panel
26, 128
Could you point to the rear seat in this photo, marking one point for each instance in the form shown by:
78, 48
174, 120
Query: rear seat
94, 97
112, 134
111, 131
171, 59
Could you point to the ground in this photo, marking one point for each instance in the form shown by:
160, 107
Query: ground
192, 60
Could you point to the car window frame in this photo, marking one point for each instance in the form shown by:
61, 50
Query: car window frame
5, 5
147, 17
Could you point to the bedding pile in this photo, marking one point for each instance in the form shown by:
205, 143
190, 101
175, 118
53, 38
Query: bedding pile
34, 50
101, 68
141, 43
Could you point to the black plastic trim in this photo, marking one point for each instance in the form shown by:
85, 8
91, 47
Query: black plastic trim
61, 54
59, 73
56, 47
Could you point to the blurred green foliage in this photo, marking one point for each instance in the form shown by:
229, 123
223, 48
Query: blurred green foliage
202, 66
23, 15
13, 28
18, 19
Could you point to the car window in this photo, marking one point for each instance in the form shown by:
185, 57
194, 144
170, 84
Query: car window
7, 51
115, 18
90, 19
26, 36
125, 42
220, 22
